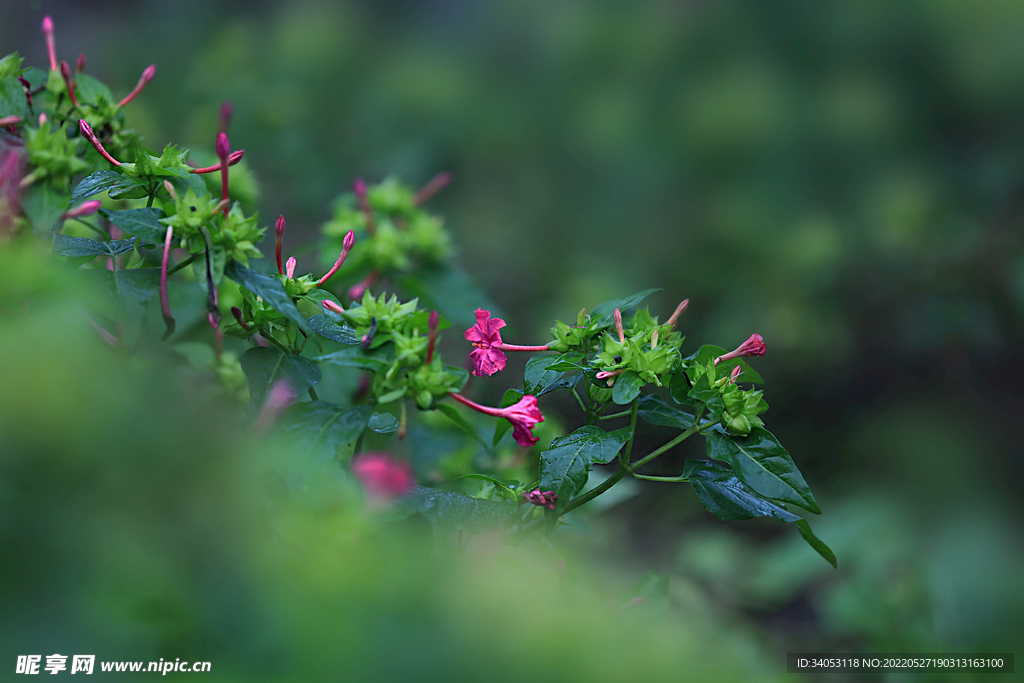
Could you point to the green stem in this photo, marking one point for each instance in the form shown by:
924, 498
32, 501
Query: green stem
578, 399
274, 342
632, 431
312, 394
652, 478
181, 264
624, 413
152, 196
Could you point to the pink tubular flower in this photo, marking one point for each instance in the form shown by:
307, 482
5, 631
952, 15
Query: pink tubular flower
678, 312
546, 499
9, 121
51, 49
617, 317
332, 307
488, 357
165, 306
279, 242
752, 347
69, 83
523, 416
89, 135
233, 159
147, 76
346, 246
383, 476
84, 209
289, 268
356, 291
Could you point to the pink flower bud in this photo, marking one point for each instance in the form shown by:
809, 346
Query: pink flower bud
80, 63
433, 187
223, 146
752, 347
89, 135
280, 396
279, 242
50, 47
226, 109
289, 268
9, 121
165, 306
359, 187
147, 76
383, 476
84, 209
65, 72
332, 307
346, 246
432, 327
678, 312
237, 313
617, 317
735, 374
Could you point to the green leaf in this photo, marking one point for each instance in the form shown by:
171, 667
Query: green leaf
99, 181
316, 432
268, 288
656, 411
511, 397
127, 289
453, 414
383, 423
760, 462
66, 245
12, 98
679, 388
627, 387
355, 357
264, 367
565, 466
816, 543
728, 498
91, 90
190, 181
602, 314
144, 223
709, 352
457, 511
44, 206
536, 376
564, 383
324, 325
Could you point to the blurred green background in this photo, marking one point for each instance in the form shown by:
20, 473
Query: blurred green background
844, 178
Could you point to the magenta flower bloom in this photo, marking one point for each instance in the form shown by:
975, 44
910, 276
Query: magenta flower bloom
383, 476
523, 416
546, 499
752, 347
488, 357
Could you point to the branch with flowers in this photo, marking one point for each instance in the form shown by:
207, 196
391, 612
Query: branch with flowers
155, 232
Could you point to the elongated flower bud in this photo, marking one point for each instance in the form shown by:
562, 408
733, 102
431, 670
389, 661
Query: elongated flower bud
89, 135
170, 190
51, 49
226, 109
65, 72
617, 317
654, 340
80, 63
359, 187
165, 306
147, 76
279, 242
9, 121
233, 159
289, 268
754, 346
432, 187
357, 290
84, 209
432, 327
237, 313
679, 311
223, 151
332, 307
735, 374
346, 246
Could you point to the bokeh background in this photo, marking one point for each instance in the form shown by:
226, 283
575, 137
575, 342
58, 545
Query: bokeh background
844, 178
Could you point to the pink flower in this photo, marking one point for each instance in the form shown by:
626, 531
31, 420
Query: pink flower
752, 347
346, 246
147, 76
488, 357
332, 307
523, 416
83, 209
383, 476
735, 374
546, 499
88, 134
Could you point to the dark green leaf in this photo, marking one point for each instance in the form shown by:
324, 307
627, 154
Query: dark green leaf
454, 510
565, 466
99, 181
453, 414
383, 423
316, 432
355, 357
144, 223
679, 388
190, 181
511, 397
12, 98
726, 497
564, 383
66, 245
760, 462
656, 411
627, 387
816, 543
127, 289
536, 376
268, 288
326, 327
265, 367
602, 314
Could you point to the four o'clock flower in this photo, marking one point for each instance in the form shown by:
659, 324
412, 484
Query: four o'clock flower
523, 415
488, 357
546, 499
88, 134
332, 307
69, 83
84, 209
752, 347
346, 246
383, 476
147, 76
671, 322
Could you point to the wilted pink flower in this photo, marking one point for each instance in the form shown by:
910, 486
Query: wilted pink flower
346, 246
488, 357
383, 476
546, 499
523, 415
752, 347
147, 76
84, 209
